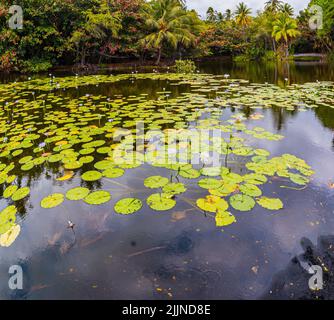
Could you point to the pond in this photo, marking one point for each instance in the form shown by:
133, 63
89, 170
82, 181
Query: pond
217, 185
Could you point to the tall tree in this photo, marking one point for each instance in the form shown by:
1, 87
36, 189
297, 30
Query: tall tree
285, 29
242, 15
287, 9
273, 6
170, 24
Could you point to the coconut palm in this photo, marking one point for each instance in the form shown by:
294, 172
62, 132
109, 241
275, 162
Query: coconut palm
287, 9
284, 30
169, 23
242, 15
273, 6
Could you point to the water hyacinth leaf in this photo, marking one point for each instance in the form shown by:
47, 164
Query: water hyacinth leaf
8, 238
128, 206
270, 203
224, 218
98, 197
52, 201
91, 176
21, 194
212, 203
160, 202
155, 182
77, 193
242, 202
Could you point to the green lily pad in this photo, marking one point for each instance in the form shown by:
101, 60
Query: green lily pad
174, 188
210, 183
211, 171
76, 194
20, 194
128, 206
160, 202
224, 219
9, 191
155, 182
212, 204
270, 203
299, 179
72, 165
104, 165
113, 173
254, 178
242, 202
91, 176
7, 218
52, 201
250, 190
232, 178
98, 197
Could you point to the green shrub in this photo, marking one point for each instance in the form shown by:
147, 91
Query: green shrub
185, 66
36, 65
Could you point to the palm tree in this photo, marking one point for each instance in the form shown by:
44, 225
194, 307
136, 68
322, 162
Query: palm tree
242, 15
273, 6
169, 23
287, 9
228, 15
284, 30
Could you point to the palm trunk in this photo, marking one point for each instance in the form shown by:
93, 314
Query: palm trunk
159, 56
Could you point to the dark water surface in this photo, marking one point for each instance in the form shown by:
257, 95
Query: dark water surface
181, 254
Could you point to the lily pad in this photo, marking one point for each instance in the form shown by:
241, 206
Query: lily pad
242, 202
9, 191
78, 193
270, 203
174, 188
98, 197
113, 173
7, 218
155, 182
128, 206
8, 238
20, 194
160, 202
224, 219
52, 201
212, 204
250, 190
91, 176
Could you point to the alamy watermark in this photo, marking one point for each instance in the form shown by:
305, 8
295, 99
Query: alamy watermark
16, 20
15, 281
316, 20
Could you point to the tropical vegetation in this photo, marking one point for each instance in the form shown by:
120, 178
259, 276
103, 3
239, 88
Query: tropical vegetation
94, 32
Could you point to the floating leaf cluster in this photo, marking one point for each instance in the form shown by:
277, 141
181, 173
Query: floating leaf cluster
92, 138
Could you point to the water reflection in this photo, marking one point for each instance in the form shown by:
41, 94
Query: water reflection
179, 254
292, 282
270, 71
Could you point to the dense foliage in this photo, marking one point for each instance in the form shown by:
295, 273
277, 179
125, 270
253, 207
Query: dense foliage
58, 32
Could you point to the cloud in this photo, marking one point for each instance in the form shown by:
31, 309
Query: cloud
202, 5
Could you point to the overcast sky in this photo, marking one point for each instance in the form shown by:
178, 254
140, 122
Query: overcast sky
221, 5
